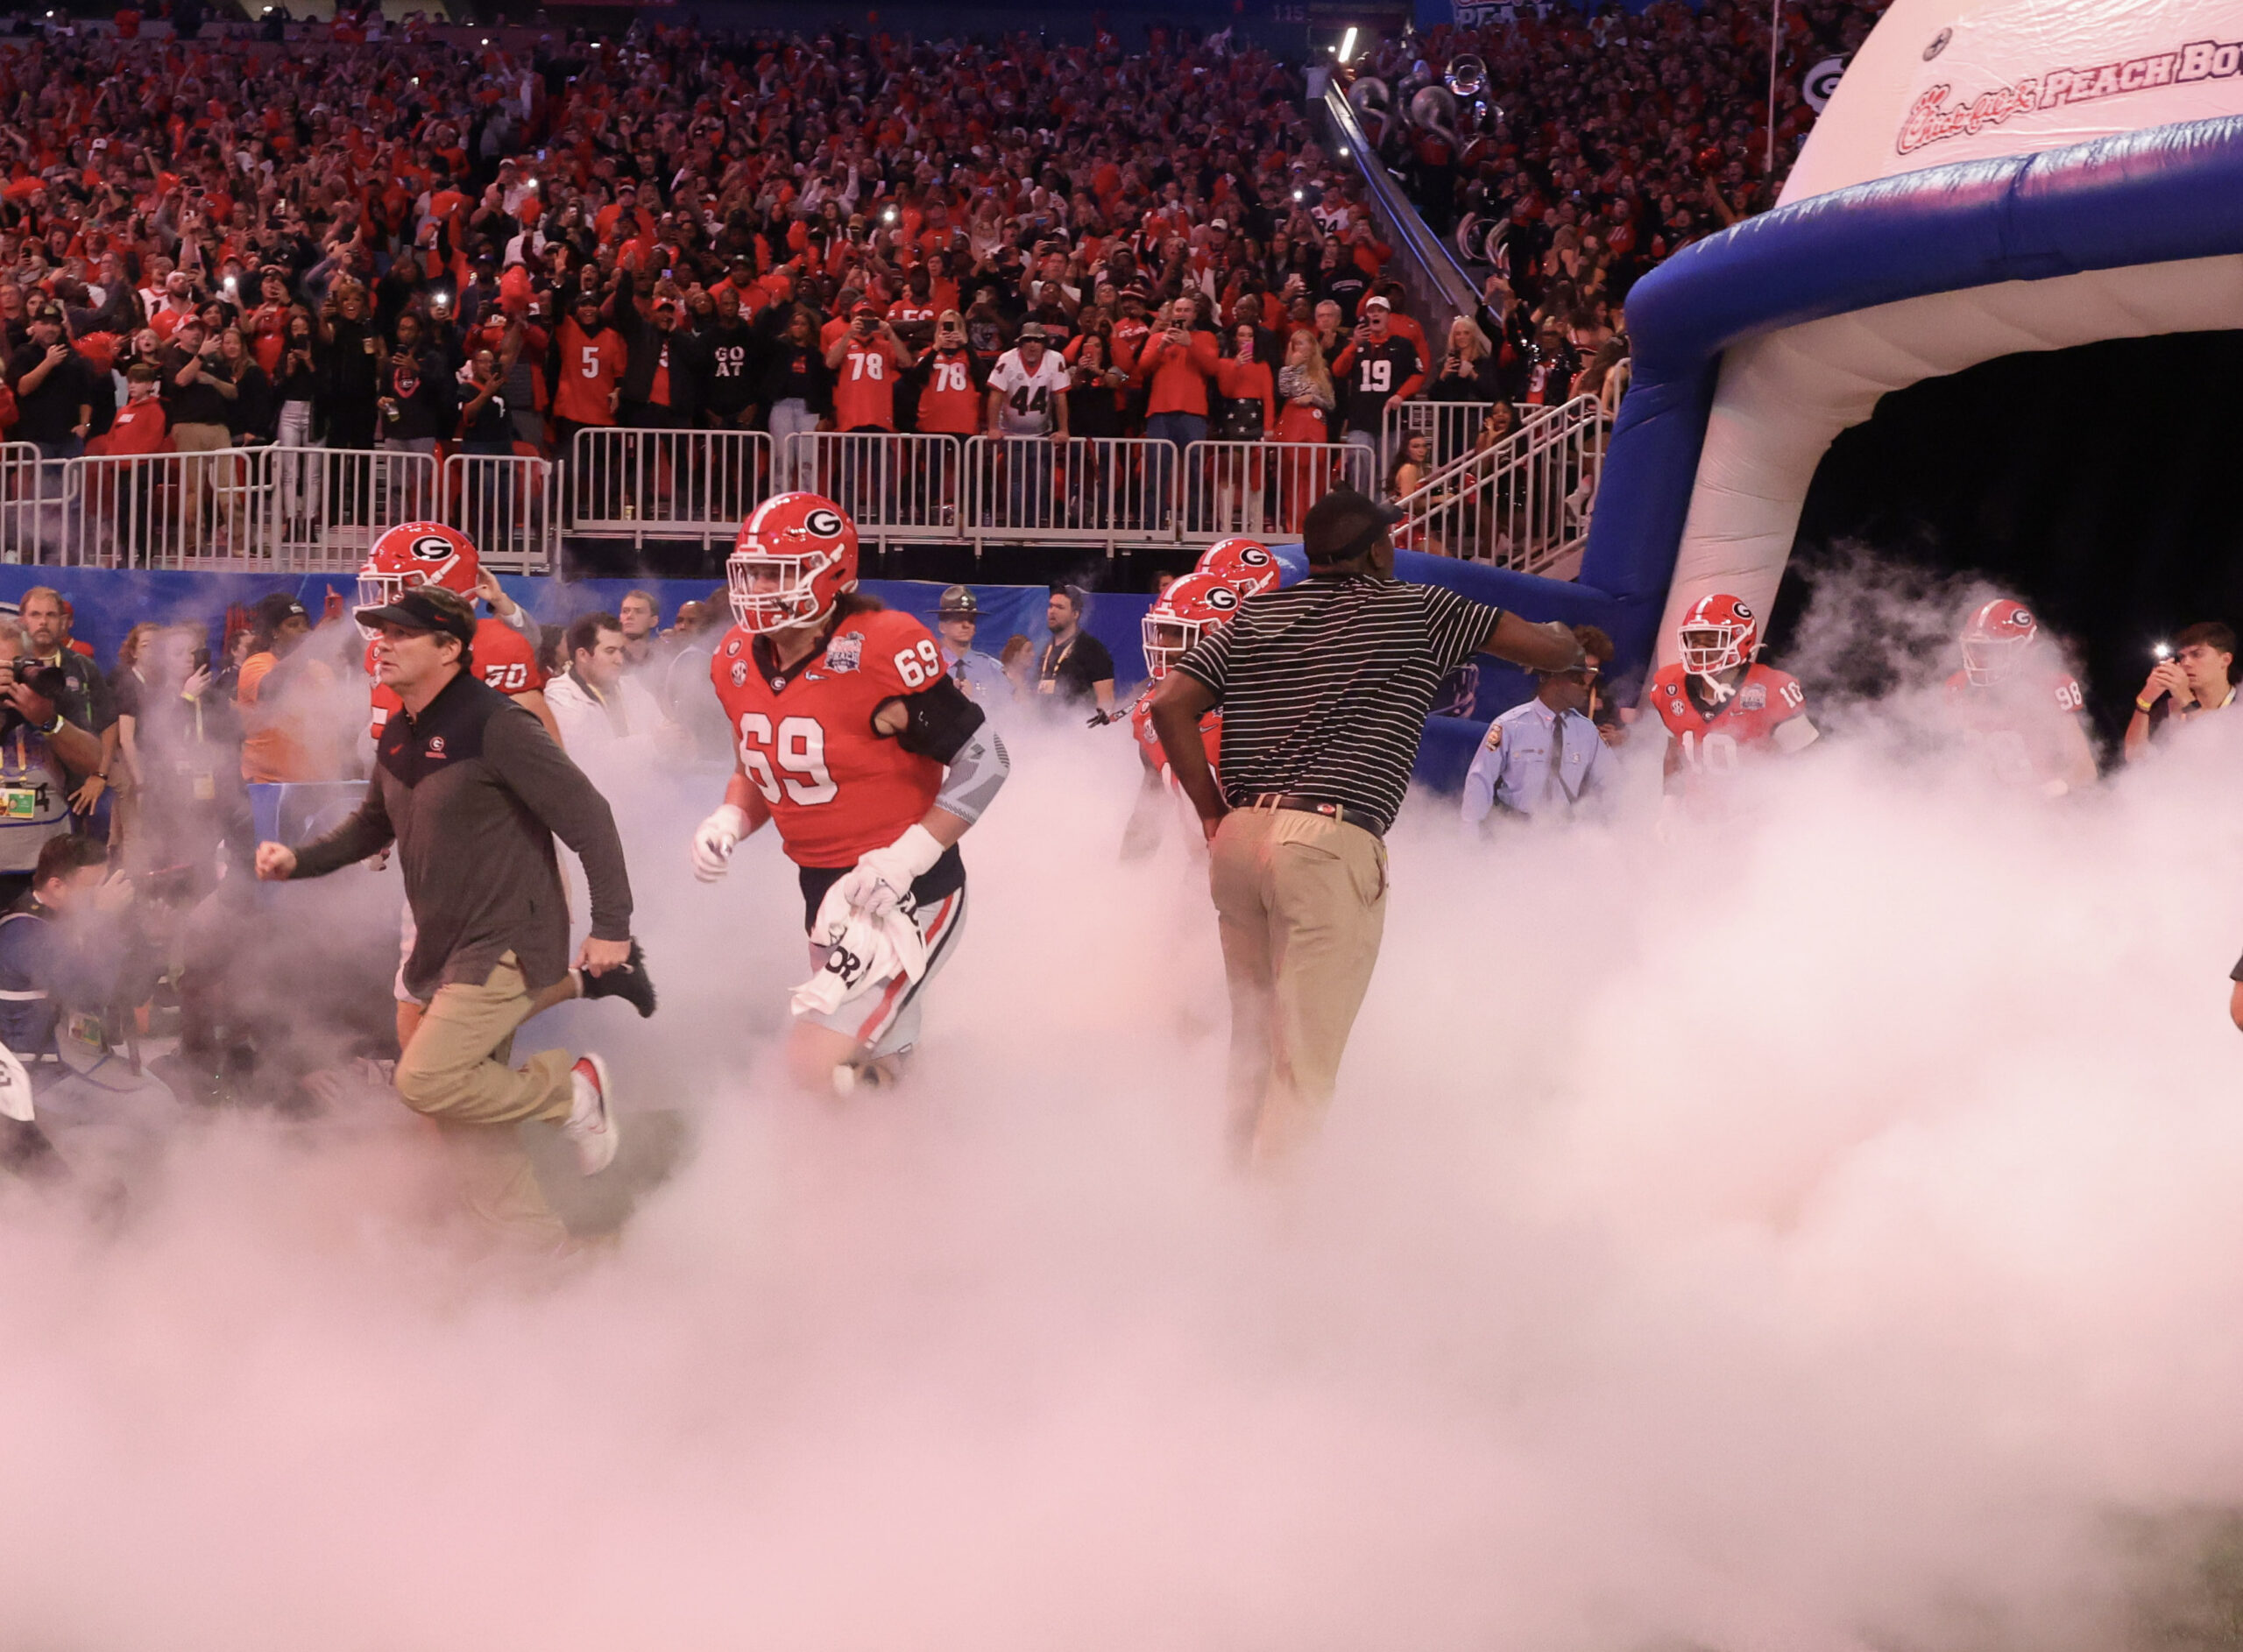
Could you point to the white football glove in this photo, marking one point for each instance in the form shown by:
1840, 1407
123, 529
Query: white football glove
715, 840
882, 877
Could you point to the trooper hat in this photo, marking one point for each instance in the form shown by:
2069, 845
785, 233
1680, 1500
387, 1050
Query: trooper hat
957, 602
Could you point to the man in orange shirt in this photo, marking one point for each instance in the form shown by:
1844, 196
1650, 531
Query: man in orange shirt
284, 696
866, 358
1177, 362
589, 360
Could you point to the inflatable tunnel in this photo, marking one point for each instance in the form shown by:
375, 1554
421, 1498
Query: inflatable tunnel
1990, 179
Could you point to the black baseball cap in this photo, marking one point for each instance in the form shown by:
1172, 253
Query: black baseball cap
275, 608
418, 608
1345, 524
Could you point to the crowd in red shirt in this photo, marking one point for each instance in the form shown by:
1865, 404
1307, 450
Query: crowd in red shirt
403, 242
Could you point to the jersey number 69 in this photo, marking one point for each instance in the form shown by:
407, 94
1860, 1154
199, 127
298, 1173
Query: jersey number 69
800, 750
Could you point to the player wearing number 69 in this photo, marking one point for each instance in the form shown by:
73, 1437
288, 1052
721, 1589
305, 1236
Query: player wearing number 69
871, 762
1720, 704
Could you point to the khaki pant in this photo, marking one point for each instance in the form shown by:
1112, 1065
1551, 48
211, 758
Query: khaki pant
1301, 900
456, 1071
199, 477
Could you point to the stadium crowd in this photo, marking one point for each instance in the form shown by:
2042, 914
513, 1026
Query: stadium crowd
1587, 149
212, 244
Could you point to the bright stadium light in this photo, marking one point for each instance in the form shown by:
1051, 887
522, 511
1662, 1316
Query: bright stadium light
1347, 44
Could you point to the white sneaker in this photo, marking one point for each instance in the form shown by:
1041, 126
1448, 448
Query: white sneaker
591, 1119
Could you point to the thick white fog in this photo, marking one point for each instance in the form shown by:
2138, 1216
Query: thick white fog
1818, 1231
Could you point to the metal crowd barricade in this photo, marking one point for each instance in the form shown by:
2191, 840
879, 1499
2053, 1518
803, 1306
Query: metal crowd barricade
1104, 490
1453, 425
211, 509
662, 484
31, 493
896, 486
509, 505
1524, 504
1264, 489
327, 504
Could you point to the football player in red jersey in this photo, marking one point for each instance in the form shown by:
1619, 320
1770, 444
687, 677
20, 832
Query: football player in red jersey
872, 763
1719, 703
1187, 610
1245, 565
2019, 703
431, 554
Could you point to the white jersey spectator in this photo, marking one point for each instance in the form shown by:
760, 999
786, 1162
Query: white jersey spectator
610, 723
1028, 386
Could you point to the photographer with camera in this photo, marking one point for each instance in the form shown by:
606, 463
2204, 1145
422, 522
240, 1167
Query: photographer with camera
69, 960
187, 763
2194, 680
38, 747
88, 702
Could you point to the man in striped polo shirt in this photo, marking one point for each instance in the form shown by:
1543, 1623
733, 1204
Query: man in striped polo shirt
1324, 689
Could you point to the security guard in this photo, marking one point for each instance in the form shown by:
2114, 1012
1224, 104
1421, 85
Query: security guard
1544, 757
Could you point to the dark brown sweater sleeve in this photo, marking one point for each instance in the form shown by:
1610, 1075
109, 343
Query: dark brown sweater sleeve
523, 756
367, 832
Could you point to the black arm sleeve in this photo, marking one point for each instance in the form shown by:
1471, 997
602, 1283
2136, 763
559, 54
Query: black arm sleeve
942, 719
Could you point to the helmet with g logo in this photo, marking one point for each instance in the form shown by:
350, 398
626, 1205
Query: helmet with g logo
418, 553
1245, 564
1995, 638
793, 560
1718, 634
1193, 606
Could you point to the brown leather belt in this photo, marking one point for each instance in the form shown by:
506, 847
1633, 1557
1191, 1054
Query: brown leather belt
1339, 812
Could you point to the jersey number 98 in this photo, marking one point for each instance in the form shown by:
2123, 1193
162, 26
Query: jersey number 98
799, 750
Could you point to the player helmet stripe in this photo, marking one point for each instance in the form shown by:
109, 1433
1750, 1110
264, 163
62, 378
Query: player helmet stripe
1718, 634
794, 559
1995, 638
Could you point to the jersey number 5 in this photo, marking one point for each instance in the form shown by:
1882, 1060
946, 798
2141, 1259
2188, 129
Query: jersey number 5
800, 751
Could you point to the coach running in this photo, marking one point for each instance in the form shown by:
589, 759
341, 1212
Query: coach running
1325, 687
473, 791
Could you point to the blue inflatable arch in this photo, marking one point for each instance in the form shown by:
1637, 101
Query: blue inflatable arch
1754, 349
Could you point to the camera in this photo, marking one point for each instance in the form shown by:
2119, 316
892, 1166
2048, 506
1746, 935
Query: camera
49, 683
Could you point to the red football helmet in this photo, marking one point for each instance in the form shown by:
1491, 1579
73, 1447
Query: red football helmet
418, 553
1995, 638
1245, 565
1719, 634
794, 559
1191, 607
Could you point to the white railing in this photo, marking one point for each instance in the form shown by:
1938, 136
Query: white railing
894, 486
292, 510
30, 490
664, 484
327, 504
509, 503
1524, 504
164, 510
1453, 425
1101, 489
1264, 489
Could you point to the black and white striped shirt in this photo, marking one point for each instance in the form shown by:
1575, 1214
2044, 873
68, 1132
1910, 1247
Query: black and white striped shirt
1326, 686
